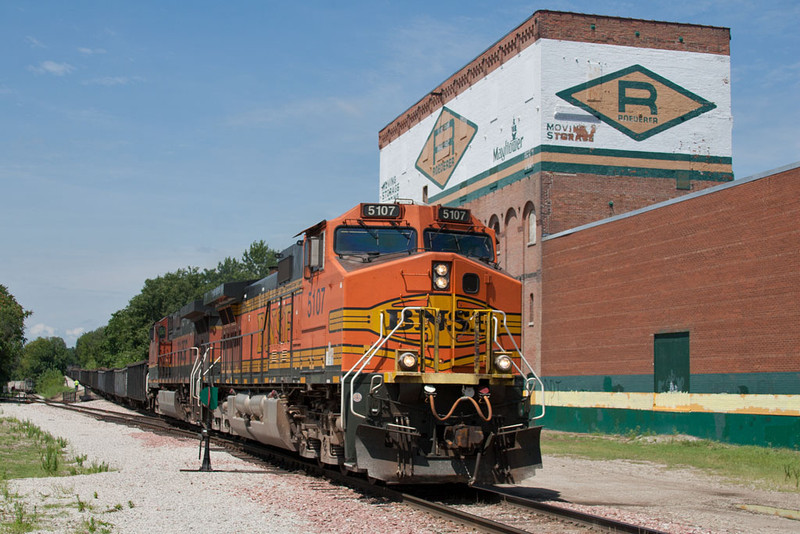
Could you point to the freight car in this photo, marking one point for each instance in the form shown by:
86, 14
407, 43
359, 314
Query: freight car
127, 384
386, 342
18, 388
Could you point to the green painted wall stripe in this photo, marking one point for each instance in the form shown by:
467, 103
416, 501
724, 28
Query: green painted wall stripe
603, 170
742, 429
559, 149
635, 171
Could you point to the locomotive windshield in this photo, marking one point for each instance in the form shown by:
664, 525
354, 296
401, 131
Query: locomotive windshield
468, 244
374, 240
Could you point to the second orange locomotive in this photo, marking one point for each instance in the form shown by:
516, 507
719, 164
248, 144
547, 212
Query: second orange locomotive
386, 343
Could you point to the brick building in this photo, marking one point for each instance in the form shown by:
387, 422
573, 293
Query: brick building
680, 316
568, 119
572, 119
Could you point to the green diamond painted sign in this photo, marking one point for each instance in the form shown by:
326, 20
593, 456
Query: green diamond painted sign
445, 146
637, 102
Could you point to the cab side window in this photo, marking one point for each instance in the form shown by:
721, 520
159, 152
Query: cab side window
314, 253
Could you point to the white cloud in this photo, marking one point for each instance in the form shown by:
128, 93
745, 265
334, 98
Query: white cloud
51, 67
41, 330
91, 51
34, 42
110, 81
75, 332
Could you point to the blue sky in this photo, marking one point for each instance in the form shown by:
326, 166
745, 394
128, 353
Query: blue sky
140, 137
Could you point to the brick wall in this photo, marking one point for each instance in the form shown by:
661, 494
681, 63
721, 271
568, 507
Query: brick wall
632, 32
577, 199
722, 266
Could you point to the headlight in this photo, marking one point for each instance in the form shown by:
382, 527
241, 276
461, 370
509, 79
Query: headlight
503, 363
408, 361
441, 276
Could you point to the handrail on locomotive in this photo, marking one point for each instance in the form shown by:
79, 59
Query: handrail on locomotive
490, 318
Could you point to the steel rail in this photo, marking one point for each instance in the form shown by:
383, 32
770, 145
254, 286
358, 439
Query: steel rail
468, 519
564, 513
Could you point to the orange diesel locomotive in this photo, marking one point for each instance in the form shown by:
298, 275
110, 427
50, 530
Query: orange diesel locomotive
386, 343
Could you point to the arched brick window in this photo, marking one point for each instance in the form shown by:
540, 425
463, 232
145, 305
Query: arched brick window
494, 224
529, 219
531, 309
509, 240
511, 214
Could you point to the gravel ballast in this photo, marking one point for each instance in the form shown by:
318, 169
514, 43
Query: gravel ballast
147, 491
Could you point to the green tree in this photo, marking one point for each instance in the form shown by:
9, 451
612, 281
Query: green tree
43, 354
90, 349
228, 270
127, 334
12, 333
256, 263
126, 337
259, 259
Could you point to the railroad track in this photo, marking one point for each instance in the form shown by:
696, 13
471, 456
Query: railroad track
483, 509
145, 422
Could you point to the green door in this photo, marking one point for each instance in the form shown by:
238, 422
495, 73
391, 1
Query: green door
671, 362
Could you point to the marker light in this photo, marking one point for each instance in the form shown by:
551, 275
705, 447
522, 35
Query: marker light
408, 361
503, 363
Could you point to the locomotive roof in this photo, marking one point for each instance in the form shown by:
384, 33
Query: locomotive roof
290, 268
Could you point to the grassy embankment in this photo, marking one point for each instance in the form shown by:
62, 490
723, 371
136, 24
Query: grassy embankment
773, 469
51, 383
26, 451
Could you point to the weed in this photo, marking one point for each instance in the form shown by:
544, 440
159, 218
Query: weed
81, 504
95, 494
63, 491
91, 525
130, 504
22, 520
50, 458
633, 433
102, 467
792, 472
